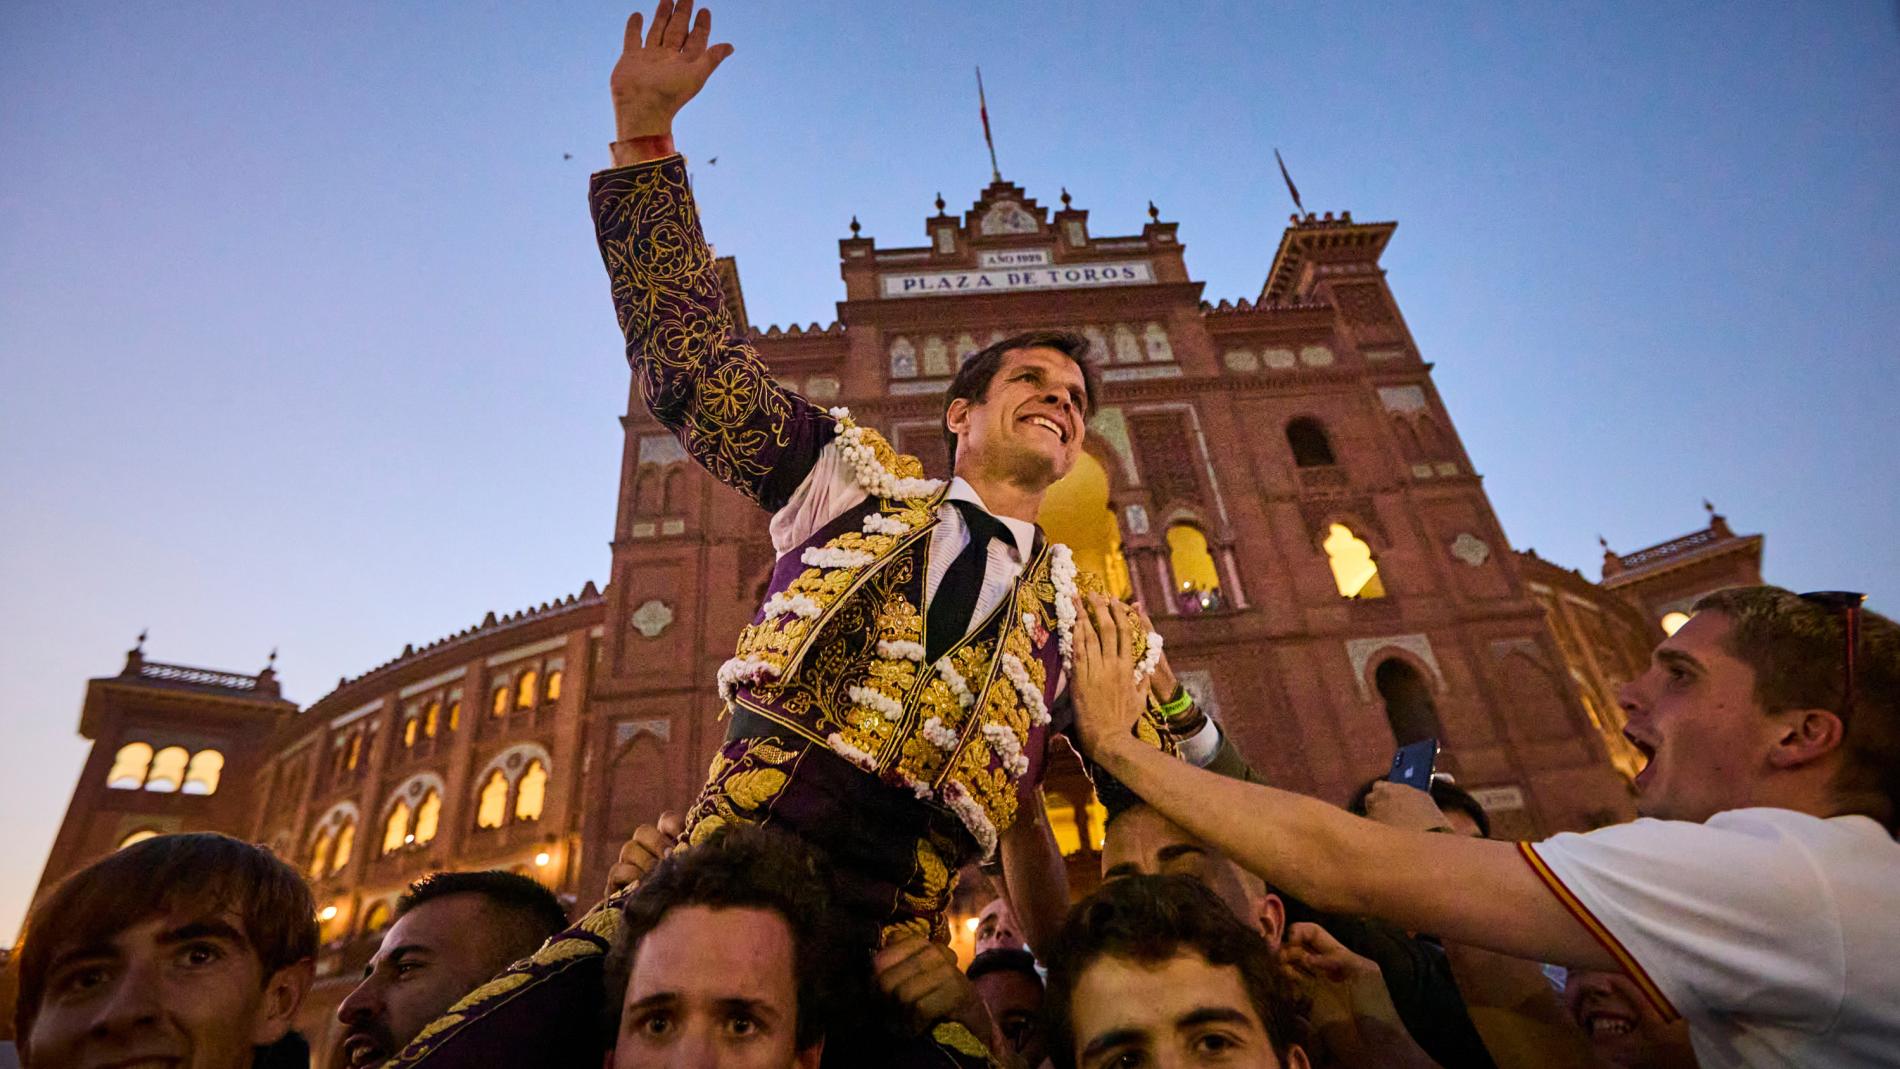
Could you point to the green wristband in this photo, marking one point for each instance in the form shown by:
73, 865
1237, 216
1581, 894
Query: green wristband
1175, 706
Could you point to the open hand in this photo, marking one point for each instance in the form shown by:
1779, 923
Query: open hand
642, 853
659, 73
1107, 703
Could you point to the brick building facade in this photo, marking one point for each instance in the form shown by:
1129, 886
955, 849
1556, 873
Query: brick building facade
1276, 480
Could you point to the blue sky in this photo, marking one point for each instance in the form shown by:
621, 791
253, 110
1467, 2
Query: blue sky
304, 342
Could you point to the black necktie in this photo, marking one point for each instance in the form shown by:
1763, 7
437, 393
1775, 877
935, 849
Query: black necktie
955, 600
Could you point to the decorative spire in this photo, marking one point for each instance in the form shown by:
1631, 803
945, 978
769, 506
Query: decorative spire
1065, 197
1154, 213
854, 226
272, 663
1601, 541
1708, 507
939, 203
1292, 190
140, 648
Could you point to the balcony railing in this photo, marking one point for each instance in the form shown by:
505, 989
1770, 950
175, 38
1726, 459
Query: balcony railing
203, 677
1669, 549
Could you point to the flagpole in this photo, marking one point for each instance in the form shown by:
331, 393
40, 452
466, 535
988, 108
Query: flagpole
1290, 187
983, 109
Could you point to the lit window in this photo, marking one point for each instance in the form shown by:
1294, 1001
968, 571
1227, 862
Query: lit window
168, 770
320, 853
1197, 581
455, 715
1673, 621
409, 733
138, 836
345, 842
353, 750
396, 827
493, 807
201, 776
1354, 571
1075, 511
524, 695
1311, 448
531, 791
554, 685
128, 767
428, 815
1062, 822
430, 718
1098, 824
499, 707
376, 919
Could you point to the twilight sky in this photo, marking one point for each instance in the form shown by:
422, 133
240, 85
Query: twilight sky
304, 341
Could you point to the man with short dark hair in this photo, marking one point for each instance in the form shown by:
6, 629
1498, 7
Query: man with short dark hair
178, 950
1009, 985
725, 958
1756, 899
453, 930
1154, 970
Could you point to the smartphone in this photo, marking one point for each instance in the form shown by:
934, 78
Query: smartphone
1412, 765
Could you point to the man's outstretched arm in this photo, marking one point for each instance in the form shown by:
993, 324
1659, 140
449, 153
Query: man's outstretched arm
697, 373
1465, 890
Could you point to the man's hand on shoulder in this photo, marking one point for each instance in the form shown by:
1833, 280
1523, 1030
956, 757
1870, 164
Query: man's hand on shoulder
661, 68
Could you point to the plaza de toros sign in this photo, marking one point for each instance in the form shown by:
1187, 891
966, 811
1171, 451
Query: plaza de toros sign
1002, 279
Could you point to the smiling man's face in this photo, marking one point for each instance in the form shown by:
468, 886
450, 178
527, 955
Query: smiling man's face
177, 991
1623, 1029
1028, 427
1694, 714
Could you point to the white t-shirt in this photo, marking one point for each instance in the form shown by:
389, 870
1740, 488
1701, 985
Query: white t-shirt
1775, 934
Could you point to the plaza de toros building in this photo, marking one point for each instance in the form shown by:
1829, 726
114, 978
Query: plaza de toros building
1275, 479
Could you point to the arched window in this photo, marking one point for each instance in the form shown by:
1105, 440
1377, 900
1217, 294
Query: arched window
1075, 512
525, 692
499, 706
492, 810
320, 853
554, 684
396, 827
1408, 702
376, 918
201, 776
353, 750
1196, 580
409, 727
531, 791
168, 770
428, 816
345, 842
138, 836
1354, 571
129, 766
1062, 822
1311, 447
455, 714
430, 718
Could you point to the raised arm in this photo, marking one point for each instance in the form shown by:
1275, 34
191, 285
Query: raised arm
697, 373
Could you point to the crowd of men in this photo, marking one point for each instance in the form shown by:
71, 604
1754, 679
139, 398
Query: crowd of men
891, 710
1763, 933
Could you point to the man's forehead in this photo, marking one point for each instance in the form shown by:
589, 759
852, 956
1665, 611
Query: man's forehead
1704, 637
1117, 992
1054, 360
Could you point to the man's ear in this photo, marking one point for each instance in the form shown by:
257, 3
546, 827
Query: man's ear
957, 416
1272, 913
810, 1056
1296, 1058
1805, 736
284, 991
